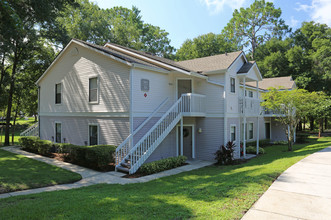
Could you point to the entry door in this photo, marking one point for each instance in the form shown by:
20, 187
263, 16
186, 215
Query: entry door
267, 130
187, 141
183, 86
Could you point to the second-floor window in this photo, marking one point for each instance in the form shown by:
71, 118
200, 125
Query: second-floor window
233, 85
93, 89
250, 94
58, 91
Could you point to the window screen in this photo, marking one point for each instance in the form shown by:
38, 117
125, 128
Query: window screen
58, 93
58, 131
233, 84
93, 134
233, 133
93, 89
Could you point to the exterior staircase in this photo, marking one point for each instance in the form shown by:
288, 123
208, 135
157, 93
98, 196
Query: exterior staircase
31, 131
129, 158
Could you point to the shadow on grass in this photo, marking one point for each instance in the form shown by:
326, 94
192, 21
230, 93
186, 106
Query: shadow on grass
222, 192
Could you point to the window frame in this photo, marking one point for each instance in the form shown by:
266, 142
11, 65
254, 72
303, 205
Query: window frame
98, 89
235, 132
249, 131
250, 93
232, 86
56, 84
55, 131
98, 133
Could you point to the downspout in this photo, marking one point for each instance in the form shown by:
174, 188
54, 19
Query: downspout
244, 115
131, 107
39, 111
225, 110
258, 120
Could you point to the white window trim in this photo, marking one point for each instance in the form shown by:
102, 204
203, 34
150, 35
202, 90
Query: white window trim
250, 122
57, 122
235, 89
235, 132
98, 90
88, 133
61, 93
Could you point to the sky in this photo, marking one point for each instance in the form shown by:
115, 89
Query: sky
186, 19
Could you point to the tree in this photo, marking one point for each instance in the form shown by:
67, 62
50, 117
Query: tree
19, 33
205, 45
256, 24
292, 104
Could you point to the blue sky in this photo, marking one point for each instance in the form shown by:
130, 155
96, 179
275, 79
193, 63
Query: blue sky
186, 19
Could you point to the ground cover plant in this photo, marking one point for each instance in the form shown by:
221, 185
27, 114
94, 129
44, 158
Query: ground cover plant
214, 192
19, 173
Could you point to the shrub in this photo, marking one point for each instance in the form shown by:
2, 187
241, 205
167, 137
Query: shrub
161, 165
252, 150
96, 157
225, 154
262, 143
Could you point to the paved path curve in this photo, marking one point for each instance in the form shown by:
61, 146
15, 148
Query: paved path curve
91, 177
302, 192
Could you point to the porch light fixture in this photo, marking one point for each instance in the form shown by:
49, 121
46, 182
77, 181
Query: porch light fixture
200, 130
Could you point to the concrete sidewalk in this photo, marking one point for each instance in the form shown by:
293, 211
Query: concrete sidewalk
302, 192
91, 177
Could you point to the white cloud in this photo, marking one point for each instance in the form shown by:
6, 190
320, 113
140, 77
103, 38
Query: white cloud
216, 6
293, 22
319, 11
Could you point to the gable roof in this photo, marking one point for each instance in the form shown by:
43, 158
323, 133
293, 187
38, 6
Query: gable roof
285, 82
211, 63
246, 67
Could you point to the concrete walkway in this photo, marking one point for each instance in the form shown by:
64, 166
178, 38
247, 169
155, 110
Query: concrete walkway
91, 177
302, 192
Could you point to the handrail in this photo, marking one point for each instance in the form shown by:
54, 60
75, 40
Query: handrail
120, 152
32, 129
148, 143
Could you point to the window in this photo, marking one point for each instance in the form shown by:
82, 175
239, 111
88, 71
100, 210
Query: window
58, 93
250, 94
250, 131
93, 89
58, 132
93, 135
233, 133
233, 84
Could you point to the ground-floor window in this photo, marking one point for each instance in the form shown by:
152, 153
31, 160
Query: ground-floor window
233, 133
58, 132
250, 130
93, 134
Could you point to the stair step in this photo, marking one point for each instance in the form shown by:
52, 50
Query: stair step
122, 169
127, 159
126, 165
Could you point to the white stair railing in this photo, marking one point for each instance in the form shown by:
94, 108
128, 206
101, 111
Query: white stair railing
188, 103
123, 149
31, 131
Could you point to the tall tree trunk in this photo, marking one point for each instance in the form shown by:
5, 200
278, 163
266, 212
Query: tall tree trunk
311, 121
304, 123
14, 123
10, 101
326, 122
320, 127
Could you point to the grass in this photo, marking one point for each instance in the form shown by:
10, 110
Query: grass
19, 173
215, 192
21, 125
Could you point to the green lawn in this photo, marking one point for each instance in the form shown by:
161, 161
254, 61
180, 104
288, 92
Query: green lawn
18, 173
22, 125
215, 192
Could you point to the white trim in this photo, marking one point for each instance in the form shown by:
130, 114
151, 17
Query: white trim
235, 89
85, 46
145, 67
88, 133
98, 89
193, 139
154, 61
178, 78
214, 72
86, 114
215, 83
239, 56
57, 122
131, 104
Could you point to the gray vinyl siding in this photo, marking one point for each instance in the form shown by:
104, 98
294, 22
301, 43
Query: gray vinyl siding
73, 72
277, 131
166, 149
211, 138
137, 122
112, 131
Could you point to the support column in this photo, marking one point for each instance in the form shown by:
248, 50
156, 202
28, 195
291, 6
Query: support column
258, 120
181, 136
244, 115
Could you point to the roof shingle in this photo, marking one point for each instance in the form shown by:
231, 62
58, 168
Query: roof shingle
285, 82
